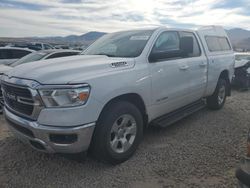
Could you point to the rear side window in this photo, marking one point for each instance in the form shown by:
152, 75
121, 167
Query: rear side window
17, 54
196, 47
13, 53
216, 44
5, 54
38, 46
46, 46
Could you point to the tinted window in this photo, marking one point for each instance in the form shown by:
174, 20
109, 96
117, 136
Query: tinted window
217, 43
167, 41
5, 54
37, 46
17, 54
46, 46
32, 47
196, 47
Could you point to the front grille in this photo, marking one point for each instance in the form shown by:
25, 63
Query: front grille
14, 94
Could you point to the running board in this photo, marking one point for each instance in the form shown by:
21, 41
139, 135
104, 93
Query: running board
178, 114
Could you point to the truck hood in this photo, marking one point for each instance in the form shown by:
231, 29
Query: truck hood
4, 69
65, 70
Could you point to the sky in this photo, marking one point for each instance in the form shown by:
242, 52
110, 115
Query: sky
24, 18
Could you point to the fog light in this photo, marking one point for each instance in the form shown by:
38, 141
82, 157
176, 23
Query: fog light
63, 138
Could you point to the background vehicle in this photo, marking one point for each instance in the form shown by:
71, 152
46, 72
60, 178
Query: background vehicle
243, 173
124, 81
33, 46
10, 54
35, 56
241, 78
44, 54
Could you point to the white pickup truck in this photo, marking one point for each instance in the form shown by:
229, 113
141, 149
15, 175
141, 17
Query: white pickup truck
103, 99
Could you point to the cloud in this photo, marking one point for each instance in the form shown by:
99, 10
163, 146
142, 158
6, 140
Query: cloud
71, 1
64, 17
22, 5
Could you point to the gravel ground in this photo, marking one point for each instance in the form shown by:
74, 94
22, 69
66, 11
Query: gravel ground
201, 150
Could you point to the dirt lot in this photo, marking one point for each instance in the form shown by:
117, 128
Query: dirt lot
202, 150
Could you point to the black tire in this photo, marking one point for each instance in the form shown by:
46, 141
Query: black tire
101, 146
213, 101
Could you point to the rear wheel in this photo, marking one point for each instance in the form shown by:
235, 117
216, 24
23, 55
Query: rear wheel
217, 100
118, 133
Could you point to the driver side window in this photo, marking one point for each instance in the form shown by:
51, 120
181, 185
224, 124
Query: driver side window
166, 47
167, 41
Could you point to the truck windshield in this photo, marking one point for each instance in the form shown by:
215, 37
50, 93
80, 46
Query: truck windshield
120, 44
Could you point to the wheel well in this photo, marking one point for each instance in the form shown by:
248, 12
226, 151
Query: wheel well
225, 75
134, 99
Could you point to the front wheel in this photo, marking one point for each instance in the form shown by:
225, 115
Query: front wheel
218, 99
118, 133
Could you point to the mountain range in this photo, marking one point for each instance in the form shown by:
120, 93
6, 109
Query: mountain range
84, 38
240, 38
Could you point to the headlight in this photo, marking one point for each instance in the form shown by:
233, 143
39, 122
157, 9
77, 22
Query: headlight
65, 97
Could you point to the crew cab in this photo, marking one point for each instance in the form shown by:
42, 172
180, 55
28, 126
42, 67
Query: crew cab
102, 100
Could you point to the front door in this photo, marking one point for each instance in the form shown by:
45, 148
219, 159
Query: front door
170, 75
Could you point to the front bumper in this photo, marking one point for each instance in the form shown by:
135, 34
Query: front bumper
243, 173
50, 138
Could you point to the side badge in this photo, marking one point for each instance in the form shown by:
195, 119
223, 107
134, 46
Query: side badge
119, 64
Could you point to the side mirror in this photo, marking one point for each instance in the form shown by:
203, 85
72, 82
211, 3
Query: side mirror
186, 45
157, 56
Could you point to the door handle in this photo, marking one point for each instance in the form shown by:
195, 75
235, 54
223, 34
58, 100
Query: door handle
203, 64
184, 67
